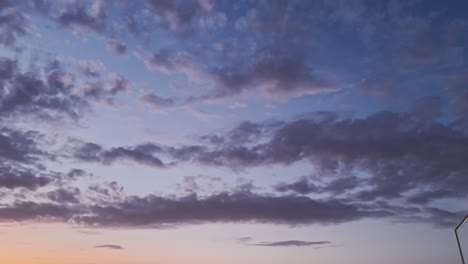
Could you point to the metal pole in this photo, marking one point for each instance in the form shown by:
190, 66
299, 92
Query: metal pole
458, 240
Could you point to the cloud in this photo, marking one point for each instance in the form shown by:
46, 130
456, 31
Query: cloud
155, 211
13, 178
397, 152
73, 173
283, 243
115, 247
428, 46
242, 206
302, 186
178, 16
108, 191
285, 60
142, 154
170, 61
107, 91
64, 196
92, 68
87, 232
278, 49
22, 158
387, 155
117, 46
438, 217
305, 185
191, 184
243, 239
274, 66
26, 211
118, 84
289, 243
14, 24
49, 96
19, 146
278, 74
157, 102
91, 16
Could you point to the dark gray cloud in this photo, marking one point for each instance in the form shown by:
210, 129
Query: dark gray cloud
17, 177
22, 158
107, 191
294, 243
397, 152
143, 154
277, 57
284, 43
302, 186
90, 15
64, 196
397, 155
26, 211
73, 173
305, 185
19, 146
49, 95
155, 211
115, 247
276, 73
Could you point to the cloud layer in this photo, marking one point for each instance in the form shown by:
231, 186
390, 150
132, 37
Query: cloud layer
380, 90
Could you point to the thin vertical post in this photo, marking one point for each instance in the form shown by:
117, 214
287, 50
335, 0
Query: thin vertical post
458, 239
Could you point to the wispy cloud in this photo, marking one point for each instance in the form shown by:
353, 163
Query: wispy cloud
116, 247
243, 239
291, 243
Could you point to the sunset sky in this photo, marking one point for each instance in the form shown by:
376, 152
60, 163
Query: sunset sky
232, 132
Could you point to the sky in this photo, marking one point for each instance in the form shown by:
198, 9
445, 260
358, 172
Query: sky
228, 132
